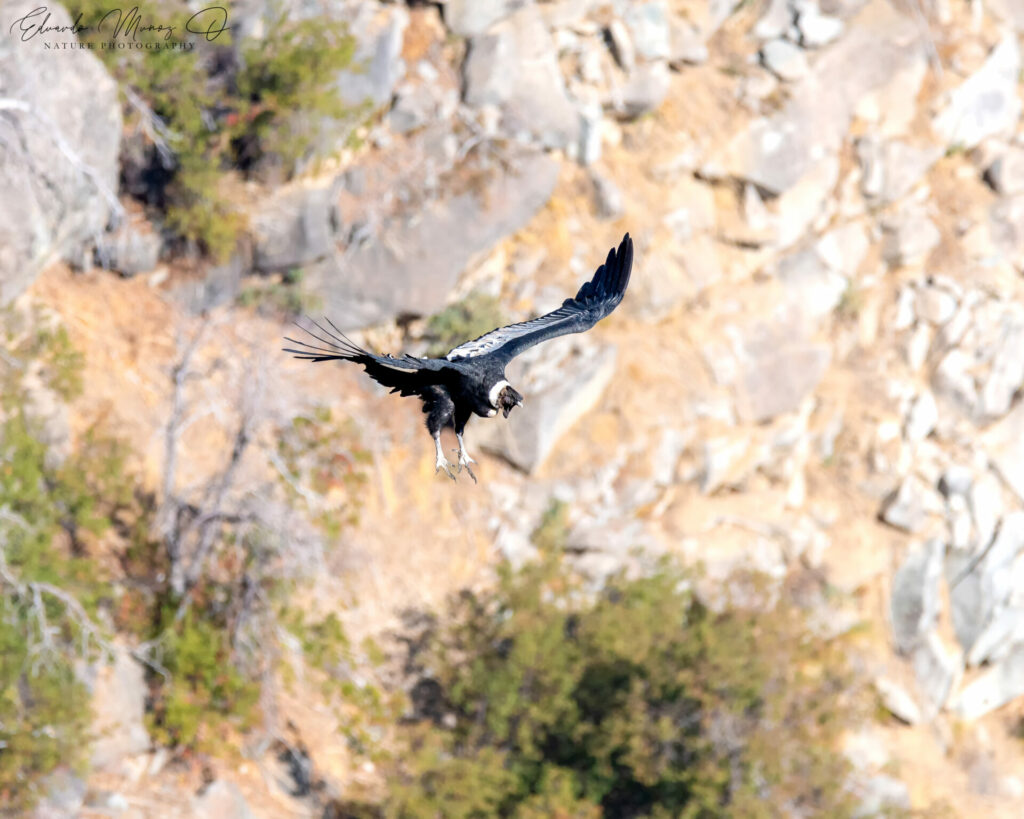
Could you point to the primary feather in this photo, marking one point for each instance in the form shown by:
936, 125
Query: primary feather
596, 299
405, 374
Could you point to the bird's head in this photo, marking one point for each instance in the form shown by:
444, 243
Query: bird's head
508, 399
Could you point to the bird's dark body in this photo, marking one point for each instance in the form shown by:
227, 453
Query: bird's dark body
461, 394
470, 380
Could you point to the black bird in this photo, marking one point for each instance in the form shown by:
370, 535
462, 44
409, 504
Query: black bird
470, 379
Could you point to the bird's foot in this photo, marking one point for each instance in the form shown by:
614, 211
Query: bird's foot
464, 461
442, 463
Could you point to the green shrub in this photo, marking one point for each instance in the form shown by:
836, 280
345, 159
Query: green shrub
289, 88
468, 319
31, 338
227, 107
642, 702
363, 709
283, 296
552, 532
325, 455
44, 707
207, 693
44, 711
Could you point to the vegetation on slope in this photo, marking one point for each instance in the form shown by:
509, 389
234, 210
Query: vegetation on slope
550, 698
640, 701
224, 105
52, 514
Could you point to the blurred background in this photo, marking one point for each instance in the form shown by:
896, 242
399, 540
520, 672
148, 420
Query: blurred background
751, 546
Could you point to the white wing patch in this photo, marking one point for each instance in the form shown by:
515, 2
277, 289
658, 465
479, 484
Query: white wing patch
496, 338
393, 363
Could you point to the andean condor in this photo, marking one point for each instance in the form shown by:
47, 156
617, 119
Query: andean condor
471, 377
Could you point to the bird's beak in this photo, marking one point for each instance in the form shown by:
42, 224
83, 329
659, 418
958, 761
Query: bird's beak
507, 410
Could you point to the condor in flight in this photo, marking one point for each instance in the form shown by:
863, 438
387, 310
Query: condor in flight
471, 378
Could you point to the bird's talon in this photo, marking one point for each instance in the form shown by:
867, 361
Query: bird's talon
442, 463
458, 467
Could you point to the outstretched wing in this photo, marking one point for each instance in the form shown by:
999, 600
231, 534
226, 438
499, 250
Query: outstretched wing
595, 300
404, 374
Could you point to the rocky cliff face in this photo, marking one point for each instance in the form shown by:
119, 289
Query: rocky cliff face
60, 132
817, 370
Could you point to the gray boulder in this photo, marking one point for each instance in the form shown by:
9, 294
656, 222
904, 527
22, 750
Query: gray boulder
60, 130
777, 369
993, 689
811, 287
785, 60
119, 710
644, 90
914, 602
219, 285
621, 44
776, 21
687, 46
294, 226
979, 588
1006, 228
607, 196
649, 29
898, 701
418, 103
377, 64
411, 264
675, 273
532, 97
775, 152
905, 508
987, 103
889, 170
817, 29
1004, 631
937, 670
133, 247
468, 18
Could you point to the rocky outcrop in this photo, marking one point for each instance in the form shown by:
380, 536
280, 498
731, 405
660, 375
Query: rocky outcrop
294, 226
119, 708
132, 247
403, 268
60, 129
532, 98
377, 63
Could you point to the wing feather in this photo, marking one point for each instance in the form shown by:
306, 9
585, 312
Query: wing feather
405, 374
596, 299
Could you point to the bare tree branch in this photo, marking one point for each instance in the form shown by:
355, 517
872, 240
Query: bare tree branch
33, 592
154, 127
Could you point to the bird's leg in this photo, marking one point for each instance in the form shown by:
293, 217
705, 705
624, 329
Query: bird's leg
464, 459
442, 462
